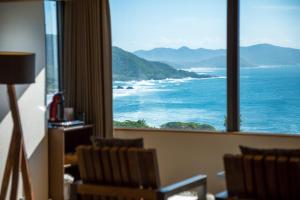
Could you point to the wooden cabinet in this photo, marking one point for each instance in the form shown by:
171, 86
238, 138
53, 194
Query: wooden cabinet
62, 145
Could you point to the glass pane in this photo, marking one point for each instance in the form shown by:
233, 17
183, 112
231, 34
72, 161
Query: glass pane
169, 64
270, 66
51, 49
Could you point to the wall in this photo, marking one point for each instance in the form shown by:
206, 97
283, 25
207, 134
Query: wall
182, 154
22, 29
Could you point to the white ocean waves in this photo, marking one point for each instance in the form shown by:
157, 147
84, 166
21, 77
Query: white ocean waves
136, 90
215, 77
173, 80
266, 67
129, 88
201, 70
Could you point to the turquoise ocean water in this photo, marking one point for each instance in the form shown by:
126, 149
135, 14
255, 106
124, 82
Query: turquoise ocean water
269, 99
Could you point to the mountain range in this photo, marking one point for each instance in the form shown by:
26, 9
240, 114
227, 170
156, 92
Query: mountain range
162, 63
127, 67
255, 55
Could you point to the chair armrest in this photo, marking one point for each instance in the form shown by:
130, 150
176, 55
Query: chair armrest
198, 181
224, 196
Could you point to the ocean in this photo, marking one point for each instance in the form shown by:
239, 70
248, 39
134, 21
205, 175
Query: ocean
269, 99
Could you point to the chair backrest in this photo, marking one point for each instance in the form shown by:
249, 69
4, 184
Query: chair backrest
119, 167
117, 142
262, 177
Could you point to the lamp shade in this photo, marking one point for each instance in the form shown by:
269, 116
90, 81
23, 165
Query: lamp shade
17, 68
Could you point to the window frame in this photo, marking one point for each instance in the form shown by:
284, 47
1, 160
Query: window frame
59, 24
233, 82
233, 68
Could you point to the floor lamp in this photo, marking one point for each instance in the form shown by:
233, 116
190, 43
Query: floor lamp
16, 68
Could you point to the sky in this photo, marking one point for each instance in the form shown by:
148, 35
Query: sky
147, 24
50, 17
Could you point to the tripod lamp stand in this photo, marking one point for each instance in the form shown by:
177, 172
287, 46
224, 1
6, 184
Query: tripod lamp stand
16, 68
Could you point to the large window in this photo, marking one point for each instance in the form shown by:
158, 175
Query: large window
169, 64
52, 71
173, 63
270, 78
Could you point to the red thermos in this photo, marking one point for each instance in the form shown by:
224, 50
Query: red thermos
57, 108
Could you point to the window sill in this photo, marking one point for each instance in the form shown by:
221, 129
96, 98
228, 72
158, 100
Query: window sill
168, 131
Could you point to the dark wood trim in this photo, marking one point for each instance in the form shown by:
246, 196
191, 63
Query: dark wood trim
89, 189
233, 104
185, 132
60, 25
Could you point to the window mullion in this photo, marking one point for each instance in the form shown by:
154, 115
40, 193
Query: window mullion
233, 107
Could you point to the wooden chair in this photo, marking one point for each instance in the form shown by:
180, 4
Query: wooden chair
261, 177
120, 173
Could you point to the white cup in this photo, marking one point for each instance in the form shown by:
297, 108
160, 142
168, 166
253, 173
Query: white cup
69, 114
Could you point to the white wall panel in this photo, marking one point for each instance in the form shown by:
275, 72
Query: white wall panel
22, 28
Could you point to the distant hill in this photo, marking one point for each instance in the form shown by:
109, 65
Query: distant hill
220, 61
179, 57
267, 54
127, 66
261, 54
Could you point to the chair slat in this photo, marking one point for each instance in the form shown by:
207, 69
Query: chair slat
283, 177
83, 168
96, 154
271, 177
134, 166
249, 176
234, 175
123, 159
98, 165
89, 164
260, 177
143, 169
115, 165
107, 169
90, 168
149, 169
124, 169
294, 171
81, 162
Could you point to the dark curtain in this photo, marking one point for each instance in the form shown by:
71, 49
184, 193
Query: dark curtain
87, 61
